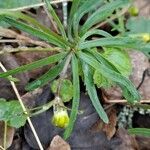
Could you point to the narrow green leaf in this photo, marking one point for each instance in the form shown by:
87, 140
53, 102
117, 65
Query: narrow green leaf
129, 90
118, 58
57, 20
74, 8
140, 131
125, 42
34, 65
91, 5
9, 4
102, 13
94, 32
52, 38
76, 97
27, 18
47, 77
90, 87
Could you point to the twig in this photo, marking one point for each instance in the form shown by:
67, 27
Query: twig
34, 5
25, 49
22, 39
5, 134
65, 14
1, 148
51, 19
125, 101
9, 41
24, 109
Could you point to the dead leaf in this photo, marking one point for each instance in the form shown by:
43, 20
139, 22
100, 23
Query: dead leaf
128, 141
59, 144
109, 128
10, 134
143, 142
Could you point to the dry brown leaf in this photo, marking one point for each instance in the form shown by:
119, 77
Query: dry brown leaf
10, 134
59, 144
109, 128
128, 142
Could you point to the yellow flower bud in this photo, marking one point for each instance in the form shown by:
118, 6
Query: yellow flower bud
134, 11
60, 118
146, 37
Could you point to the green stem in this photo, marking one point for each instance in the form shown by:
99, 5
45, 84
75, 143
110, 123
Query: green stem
5, 135
45, 107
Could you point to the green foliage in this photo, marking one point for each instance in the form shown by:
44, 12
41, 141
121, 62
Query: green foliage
90, 87
120, 59
100, 80
8, 4
138, 25
79, 42
76, 97
140, 131
66, 89
12, 113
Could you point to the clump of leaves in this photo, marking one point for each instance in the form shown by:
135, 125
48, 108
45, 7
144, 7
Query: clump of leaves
78, 48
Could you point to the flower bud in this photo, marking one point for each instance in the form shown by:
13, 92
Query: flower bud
60, 118
146, 37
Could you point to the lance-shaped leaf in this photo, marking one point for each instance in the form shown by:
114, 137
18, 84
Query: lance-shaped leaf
51, 38
74, 7
57, 20
90, 87
47, 77
15, 4
34, 65
129, 90
140, 131
26, 18
91, 5
126, 42
94, 32
76, 97
102, 13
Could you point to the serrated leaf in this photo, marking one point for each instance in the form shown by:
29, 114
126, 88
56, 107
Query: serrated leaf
76, 97
129, 90
102, 13
88, 79
140, 131
12, 113
34, 65
47, 77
